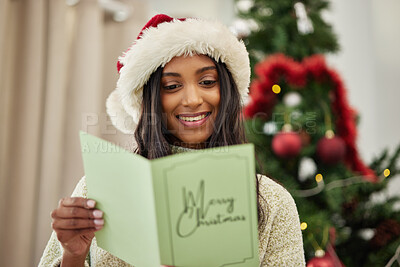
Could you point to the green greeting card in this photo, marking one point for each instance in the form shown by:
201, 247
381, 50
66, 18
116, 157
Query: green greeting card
189, 209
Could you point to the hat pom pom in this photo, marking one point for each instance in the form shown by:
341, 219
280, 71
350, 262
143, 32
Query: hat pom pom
118, 115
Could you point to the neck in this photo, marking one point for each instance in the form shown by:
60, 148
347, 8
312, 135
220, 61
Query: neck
175, 149
176, 142
190, 145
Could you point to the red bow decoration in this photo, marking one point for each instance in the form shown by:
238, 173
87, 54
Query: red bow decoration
296, 74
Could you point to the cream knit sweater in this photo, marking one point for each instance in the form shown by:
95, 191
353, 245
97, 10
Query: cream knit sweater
280, 238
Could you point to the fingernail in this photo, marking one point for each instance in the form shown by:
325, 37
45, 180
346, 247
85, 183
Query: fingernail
98, 222
97, 213
91, 203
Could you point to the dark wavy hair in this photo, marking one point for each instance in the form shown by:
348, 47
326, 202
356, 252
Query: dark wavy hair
153, 139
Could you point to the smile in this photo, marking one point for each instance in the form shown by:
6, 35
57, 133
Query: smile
193, 119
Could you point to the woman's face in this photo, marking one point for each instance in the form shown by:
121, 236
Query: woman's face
190, 98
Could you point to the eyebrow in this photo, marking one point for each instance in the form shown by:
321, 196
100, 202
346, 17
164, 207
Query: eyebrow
174, 74
171, 74
205, 68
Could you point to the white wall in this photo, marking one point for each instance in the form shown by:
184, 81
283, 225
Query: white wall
369, 63
209, 9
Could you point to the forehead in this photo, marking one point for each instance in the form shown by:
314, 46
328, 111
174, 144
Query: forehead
185, 62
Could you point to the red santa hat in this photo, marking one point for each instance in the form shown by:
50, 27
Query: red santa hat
160, 40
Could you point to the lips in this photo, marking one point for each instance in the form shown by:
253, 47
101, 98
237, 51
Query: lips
193, 120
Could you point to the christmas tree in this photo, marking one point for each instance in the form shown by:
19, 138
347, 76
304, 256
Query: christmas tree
304, 131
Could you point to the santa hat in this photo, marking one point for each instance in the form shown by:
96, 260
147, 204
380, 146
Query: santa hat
162, 39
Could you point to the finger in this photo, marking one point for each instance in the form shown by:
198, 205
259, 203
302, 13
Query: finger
73, 224
66, 235
77, 202
76, 212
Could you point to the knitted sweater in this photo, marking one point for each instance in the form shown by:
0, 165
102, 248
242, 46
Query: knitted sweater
280, 238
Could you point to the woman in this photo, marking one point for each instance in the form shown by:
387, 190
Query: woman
181, 87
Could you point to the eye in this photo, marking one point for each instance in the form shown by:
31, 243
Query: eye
171, 87
208, 83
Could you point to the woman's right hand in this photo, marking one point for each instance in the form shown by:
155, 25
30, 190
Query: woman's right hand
75, 220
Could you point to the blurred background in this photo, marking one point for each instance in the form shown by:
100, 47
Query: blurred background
58, 65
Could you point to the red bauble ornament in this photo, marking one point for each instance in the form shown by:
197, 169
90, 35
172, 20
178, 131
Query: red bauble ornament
286, 144
331, 150
329, 259
324, 261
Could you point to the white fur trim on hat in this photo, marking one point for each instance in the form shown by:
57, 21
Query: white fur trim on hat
157, 46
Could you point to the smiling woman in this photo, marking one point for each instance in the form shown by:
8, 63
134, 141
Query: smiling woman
181, 86
190, 99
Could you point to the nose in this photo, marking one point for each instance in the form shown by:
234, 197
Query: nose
192, 97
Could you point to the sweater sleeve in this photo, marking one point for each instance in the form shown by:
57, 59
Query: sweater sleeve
281, 242
52, 254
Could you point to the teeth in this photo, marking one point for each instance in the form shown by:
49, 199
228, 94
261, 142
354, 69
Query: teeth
192, 118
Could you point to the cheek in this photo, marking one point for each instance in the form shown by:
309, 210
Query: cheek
168, 107
215, 100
